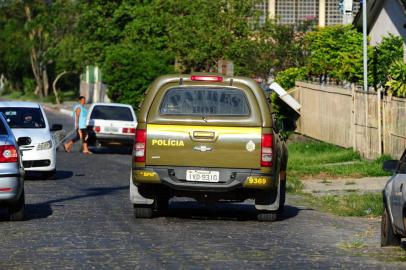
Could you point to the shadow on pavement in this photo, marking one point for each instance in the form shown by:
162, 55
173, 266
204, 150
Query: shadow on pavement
121, 150
221, 211
44, 209
39, 176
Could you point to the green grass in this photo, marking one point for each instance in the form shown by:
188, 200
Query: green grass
312, 159
294, 185
360, 205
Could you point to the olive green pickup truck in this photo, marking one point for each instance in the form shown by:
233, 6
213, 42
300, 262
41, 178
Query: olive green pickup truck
211, 138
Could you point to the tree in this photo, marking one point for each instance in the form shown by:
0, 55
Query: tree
386, 52
335, 51
128, 70
43, 25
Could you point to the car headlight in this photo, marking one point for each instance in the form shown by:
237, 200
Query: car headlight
44, 145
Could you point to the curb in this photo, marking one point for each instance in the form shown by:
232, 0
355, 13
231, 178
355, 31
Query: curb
57, 108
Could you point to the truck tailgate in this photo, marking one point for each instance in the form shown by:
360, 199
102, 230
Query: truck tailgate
203, 146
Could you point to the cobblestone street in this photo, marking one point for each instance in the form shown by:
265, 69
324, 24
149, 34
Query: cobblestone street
84, 220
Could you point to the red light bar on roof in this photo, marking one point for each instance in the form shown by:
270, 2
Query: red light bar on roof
206, 78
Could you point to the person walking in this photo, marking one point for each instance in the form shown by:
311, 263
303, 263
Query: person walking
80, 114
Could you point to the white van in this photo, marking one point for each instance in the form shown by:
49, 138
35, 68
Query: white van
111, 123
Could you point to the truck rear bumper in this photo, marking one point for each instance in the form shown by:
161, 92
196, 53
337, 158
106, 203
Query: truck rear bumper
230, 179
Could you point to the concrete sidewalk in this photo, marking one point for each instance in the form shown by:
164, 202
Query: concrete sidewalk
342, 186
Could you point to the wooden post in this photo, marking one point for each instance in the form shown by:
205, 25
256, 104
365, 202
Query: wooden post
353, 119
367, 139
379, 122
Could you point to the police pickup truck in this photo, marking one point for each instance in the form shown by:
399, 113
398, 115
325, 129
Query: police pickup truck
211, 138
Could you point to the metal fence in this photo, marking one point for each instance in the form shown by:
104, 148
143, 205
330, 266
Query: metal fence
365, 121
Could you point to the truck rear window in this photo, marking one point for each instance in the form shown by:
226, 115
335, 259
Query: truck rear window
105, 112
205, 101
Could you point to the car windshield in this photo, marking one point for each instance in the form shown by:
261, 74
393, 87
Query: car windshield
105, 112
23, 117
205, 102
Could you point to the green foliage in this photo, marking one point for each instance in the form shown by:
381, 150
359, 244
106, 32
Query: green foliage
129, 69
335, 51
294, 185
288, 77
29, 85
389, 50
397, 79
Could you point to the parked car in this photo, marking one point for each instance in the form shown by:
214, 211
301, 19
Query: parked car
393, 225
11, 172
27, 119
111, 123
211, 138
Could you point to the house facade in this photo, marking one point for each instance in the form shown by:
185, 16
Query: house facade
384, 17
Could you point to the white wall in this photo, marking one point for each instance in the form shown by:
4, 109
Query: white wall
391, 20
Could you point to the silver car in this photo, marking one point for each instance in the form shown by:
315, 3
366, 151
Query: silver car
393, 225
11, 172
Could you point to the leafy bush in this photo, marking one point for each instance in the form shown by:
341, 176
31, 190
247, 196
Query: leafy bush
397, 79
388, 51
29, 85
288, 77
335, 51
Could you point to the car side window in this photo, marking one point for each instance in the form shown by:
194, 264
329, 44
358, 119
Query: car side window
402, 164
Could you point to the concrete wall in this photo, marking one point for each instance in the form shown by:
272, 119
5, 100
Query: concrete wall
390, 20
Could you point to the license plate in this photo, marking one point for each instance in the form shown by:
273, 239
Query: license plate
111, 129
202, 176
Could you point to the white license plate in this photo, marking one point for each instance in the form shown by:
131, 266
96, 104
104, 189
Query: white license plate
202, 176
111, 129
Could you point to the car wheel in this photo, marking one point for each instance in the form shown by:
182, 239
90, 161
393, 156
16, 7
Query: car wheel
143, 211
16, 209
388, 236
50, 175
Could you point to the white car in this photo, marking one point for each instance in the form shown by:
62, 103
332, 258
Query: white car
27, 119
111, 123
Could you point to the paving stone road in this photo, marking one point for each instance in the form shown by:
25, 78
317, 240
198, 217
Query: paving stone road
83, 220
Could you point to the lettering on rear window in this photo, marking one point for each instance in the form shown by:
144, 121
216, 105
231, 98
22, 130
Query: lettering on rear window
205, 102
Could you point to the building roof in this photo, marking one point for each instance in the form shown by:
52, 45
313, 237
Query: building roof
374, 8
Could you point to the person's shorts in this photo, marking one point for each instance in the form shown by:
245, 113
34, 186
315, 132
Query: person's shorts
84, 135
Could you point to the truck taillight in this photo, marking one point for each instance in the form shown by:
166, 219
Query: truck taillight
97, 129
8, 153
140, 145
206, 78
266, 150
